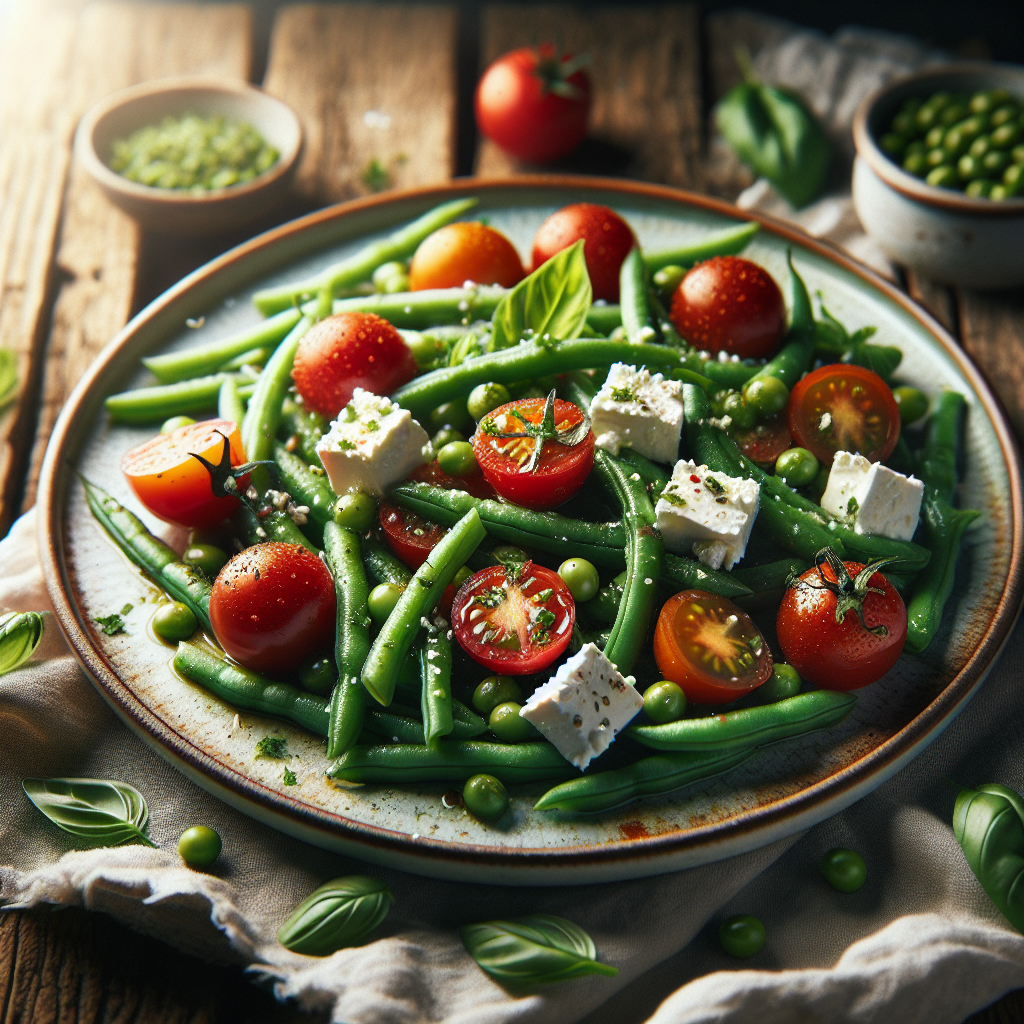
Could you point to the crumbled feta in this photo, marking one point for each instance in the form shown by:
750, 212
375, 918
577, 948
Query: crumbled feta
372, 445
583, 705
636, 410
873, 497
707, 513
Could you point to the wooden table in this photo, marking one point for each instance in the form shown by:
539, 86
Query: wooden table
73, 270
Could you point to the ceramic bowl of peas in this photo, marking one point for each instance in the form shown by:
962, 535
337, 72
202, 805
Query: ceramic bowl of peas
939, 177
191, 156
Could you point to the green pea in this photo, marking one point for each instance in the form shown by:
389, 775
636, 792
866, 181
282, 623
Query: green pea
451, 414
742, 936
664, 702
979, 147
1013, 178
738, 411
319, 675
1017, 154
495, 690
998, 193
509, 553
199, 846
943, 176
386, 271
926, 117
956, 111
425, 348
956, 141
936, 157
1006, 135
985, 102
844, 870
994, 162
667, 279
532, 390
968, 167
1006, 113
904, 123
766, 396
581, 577
893, 144
485, 797
457, 459
356, 511
980, 188
446, 435
207, 557
917, 146
784, 682
797, 467
174, 621
485, 398
933, 140
916, 164
397, 283
913, 404
382, 600
507, 724
174, 422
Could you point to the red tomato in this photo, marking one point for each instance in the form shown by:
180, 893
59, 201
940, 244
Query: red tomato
273, 606
516, 627
475, 484
607, 239
764, 443
559, 473
175, 486
348, 351
730, 304
710, 648
409, 536
844, 408
841, 655
534, 104
468, 251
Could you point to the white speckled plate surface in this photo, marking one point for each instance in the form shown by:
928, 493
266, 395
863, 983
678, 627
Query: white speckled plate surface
780, 791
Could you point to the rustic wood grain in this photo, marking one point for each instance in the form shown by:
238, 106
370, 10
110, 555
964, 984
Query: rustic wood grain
645, 72
938, 299
374, 85
98, 254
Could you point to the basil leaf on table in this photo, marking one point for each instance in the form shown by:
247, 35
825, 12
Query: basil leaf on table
552, 302
20, 633
340, 913
104, 813
988, 823
534, 950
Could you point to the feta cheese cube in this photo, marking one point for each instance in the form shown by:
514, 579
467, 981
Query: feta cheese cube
372, 445
636, 410
875, 498
707, 513
583, 705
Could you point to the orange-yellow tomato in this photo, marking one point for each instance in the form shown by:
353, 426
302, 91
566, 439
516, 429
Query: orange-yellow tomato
467, 251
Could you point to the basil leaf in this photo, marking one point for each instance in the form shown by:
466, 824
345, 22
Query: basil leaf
104, 813
20, 633
8, 377
988, 823
551, 304
883, 359
340, 913
534, 950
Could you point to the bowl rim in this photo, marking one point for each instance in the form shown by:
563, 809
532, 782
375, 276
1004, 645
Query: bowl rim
85, 147
905, 183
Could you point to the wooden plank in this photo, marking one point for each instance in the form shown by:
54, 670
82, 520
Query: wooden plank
374, 85
936, 298
645, 72
98, 256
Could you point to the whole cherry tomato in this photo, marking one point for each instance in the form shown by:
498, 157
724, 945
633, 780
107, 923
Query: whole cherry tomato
534, 104
273, 606
467, 251
607, 239
729, 304
175, 486
841, 625
475, 484
844, 408
348, 351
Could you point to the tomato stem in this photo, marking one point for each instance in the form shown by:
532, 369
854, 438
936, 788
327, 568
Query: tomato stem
849, 592
546, 430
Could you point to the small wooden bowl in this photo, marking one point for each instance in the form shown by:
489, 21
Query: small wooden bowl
181, 212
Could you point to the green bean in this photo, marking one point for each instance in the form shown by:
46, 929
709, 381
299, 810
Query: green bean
306, 486
249, 691
653, 476
156, 404
524, 362
184, 582
436, 673
352, 637
382, 666
727, 373
679, 573
383, 565
451, 761
254, 357
749, 727
229, 405
723, 243
276, 525
207, 358
427, 308
604, 318
650, 776
633, 301
400, 725
306, 426
772, 575
360, 266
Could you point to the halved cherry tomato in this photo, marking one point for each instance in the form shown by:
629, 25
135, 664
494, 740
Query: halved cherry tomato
764, 443
607, 239
841, 655
730, 304
409, 536
175, 486
475, 483
710, 648
514, 627
467, 251
561, 470
844, 408
348, 351
273, 606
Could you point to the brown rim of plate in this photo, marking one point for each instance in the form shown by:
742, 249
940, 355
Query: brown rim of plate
851, 781
905, 183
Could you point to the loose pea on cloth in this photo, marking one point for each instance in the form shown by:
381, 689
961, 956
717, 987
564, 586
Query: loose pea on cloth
919, 943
